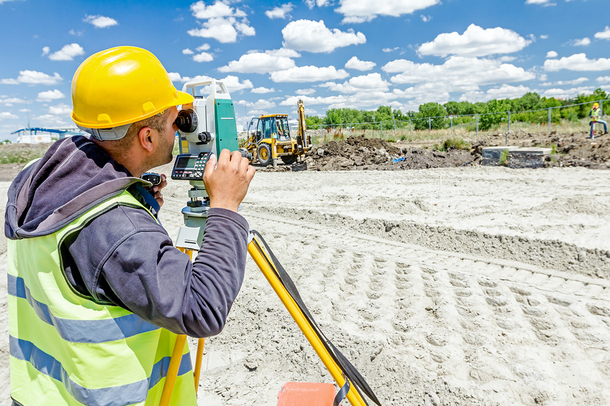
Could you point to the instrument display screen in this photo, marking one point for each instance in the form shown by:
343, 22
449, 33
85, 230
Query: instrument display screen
186, 161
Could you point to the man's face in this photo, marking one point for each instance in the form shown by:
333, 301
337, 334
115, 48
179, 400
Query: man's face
167, 138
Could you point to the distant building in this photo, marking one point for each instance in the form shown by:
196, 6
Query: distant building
41, 135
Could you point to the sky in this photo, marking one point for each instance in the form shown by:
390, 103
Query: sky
330, 53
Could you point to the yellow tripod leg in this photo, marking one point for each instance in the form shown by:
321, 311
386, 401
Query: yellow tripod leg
265, 265
174, 363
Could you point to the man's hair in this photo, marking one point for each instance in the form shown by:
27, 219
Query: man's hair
156, 122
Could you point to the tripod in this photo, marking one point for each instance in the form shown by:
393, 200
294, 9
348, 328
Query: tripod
344, 374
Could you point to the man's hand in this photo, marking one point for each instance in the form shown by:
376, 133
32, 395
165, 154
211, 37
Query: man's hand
227, 179
156, 190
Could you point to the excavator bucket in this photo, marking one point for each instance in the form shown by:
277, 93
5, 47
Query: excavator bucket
306, 394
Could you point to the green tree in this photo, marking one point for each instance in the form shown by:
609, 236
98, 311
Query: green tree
433, 110
487, 120
313, 121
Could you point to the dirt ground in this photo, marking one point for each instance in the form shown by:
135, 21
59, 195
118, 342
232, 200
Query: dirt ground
465, 285
359, 153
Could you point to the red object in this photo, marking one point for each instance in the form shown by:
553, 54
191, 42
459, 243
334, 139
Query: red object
306, 394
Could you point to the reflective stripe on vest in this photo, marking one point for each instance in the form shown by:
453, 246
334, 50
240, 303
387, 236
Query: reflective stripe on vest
67, 349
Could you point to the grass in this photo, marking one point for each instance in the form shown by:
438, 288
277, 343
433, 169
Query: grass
503, 157
464, 131
21, 153
452, 143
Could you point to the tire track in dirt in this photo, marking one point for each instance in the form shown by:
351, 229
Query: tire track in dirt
493, 331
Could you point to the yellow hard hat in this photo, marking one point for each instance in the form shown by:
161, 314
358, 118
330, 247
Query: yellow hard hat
595, 104
120, 86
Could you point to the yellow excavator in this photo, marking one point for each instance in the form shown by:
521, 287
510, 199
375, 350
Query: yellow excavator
269, 138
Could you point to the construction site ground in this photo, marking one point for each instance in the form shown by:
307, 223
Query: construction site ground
454, 285
355, 152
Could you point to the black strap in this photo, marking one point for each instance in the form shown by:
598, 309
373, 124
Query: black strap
342, 393
149, 199
349, 371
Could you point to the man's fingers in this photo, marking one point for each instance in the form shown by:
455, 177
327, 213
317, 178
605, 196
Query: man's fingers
209, 166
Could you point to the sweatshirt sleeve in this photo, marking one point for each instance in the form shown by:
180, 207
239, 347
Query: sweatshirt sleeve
137, 267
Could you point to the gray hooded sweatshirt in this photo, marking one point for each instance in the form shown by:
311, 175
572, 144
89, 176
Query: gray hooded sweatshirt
124, 257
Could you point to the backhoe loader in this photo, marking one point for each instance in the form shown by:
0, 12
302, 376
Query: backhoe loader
269, 138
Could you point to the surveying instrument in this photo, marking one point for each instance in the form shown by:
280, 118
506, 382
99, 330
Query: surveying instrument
206, 127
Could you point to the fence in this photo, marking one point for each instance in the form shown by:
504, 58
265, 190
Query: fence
562, 118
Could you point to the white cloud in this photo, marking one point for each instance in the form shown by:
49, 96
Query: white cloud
31, 77
289, 53
5, 115
221, 22
355, 63
308, 74
258, 62
11, 100
100, 21
262, 90
45, 51
203, 57
389, 49
280, 12
605, 34
577, 62
508, 92
581, 42
77, 33
475, 41
187, 52
503, 92
175, 76
457, 73
305, 91
371, 82
67, 53
543, 77
567, 93
545, 3
544, 36
232, 82
50, 95
507, 58
234, 85
51, 120
313, 36
603, 79
359, 11
425, 18
567, 82
258, 107
203, 47
551, 54
320, 3
216, 10
60, 110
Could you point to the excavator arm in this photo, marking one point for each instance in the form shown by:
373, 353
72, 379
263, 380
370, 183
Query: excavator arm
303, 142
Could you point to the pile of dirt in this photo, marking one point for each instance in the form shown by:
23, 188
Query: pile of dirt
570, 149
376, 154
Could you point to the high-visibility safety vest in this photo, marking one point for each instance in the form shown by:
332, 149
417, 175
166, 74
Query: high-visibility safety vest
594, 114
66, 349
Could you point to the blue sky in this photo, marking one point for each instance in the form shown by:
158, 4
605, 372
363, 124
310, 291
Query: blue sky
332, 54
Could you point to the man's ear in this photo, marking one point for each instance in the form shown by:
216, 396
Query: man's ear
145, 136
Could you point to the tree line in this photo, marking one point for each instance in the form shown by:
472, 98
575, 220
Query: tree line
520, 109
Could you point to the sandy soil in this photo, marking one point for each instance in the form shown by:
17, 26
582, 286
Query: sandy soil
469, 286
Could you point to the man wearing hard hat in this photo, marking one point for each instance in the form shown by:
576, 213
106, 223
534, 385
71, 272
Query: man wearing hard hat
594, 116
97, 291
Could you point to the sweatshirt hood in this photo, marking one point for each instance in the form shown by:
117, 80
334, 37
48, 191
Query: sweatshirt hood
73, 176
